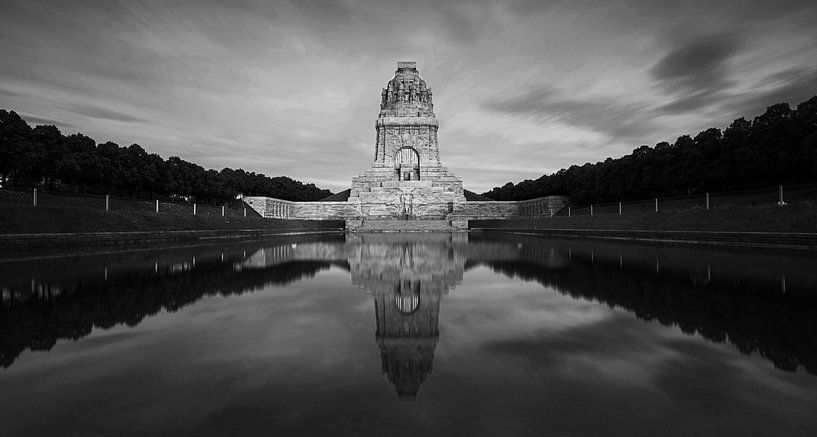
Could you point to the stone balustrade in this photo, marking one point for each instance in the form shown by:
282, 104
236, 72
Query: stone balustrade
269, 207
543, 206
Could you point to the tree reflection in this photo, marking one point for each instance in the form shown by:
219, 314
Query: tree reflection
71, 309
743, 303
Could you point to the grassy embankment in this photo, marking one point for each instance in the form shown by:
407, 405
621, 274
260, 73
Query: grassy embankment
58, 219
78, 214
801, 217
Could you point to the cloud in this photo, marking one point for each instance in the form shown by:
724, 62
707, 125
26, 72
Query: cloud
790, 86
696, 71
35, 120
615, 117
102, 113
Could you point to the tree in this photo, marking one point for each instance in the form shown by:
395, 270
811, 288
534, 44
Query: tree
776, 147
32, 157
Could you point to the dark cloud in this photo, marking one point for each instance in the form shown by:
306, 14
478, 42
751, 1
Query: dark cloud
691, 102
695, 69
793, 86
617, 118
35, 120
102, 113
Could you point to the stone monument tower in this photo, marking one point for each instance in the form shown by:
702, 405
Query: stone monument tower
406, 179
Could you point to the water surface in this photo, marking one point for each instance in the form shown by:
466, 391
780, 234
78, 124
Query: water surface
480, 334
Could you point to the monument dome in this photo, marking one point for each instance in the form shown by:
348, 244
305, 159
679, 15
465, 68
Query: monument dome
406, 95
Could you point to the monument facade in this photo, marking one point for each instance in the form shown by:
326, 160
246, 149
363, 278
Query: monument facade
406, 178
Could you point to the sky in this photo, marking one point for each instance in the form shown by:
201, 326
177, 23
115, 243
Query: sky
292, 88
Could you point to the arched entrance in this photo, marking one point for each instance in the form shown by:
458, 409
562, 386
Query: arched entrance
407, 164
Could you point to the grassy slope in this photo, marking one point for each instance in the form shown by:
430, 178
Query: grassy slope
45, 219
793, 218
16, 218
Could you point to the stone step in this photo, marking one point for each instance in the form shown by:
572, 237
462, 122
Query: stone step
370, 225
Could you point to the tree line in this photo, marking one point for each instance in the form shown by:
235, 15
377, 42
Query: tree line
777, 147
43, 157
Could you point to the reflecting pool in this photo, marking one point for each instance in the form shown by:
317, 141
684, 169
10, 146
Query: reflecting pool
399, 334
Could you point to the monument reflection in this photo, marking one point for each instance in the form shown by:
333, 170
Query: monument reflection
407, 276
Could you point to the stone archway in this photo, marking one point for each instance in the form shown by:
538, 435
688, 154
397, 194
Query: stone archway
407, 164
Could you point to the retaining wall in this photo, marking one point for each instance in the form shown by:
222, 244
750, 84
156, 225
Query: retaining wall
269, 207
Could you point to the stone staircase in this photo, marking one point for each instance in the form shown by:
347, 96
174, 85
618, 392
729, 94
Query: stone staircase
370, 225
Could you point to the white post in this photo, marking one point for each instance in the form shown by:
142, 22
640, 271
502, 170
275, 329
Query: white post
107, 202
656, 204
222, 210
194, 209
780, 202
568, 211
619, 208
591, 209
35, 197
245, 211
707, 201
157, 205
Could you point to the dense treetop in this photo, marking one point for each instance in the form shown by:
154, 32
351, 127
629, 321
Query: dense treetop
42, 156
778, 147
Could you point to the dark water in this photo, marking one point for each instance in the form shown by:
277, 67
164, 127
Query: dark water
403, 334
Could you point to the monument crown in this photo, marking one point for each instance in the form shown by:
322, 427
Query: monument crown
406, 94
402, 65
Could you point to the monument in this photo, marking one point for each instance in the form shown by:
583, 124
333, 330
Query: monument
406, 179
406, 188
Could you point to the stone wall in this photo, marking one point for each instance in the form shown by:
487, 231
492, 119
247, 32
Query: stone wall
325, 210
483, 210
